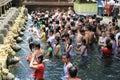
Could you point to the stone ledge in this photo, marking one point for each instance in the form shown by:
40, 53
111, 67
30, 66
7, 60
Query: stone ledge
4, 2
49, 3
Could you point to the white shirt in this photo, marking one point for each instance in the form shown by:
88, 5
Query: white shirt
116, 5
66, 67
117, 35
111, 2
51, 39
103, 39
103, 3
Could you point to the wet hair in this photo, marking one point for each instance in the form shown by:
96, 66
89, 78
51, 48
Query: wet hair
68, 19
57, 28
30, 41
81, 30
72, 71
52, 31
119, 37
31, 45
67, 35
57, 21
109, 45
43, 29
49, 43
67, 55
35, 22
40, 58
70, 41
83, 41
36, 44
107, 41
72, 23
112, 36
113, 24
58, 39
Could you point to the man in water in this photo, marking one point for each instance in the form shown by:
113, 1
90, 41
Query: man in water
72, 72
67, 64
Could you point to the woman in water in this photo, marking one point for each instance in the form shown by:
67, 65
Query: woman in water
49, 49
107, 50
57, 47
38, 67
43, 35
69, 48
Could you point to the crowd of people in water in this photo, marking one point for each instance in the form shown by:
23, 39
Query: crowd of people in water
63, 32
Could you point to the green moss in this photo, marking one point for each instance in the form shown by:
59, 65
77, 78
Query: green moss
85, 7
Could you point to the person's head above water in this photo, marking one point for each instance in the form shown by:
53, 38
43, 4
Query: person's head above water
66, 58
36, 44
40, 59
72, 72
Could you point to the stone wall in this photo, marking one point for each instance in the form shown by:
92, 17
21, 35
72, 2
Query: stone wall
11, 22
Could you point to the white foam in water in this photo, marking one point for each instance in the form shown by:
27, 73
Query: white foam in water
30, 78
24, 66
29, 17
17, 78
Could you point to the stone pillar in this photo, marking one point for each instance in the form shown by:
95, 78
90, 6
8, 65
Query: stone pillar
10, 22
4, 31
0, 10
7, 26
3, 9
1, 38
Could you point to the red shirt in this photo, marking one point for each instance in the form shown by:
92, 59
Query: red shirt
77, 79
39, 73
107, 51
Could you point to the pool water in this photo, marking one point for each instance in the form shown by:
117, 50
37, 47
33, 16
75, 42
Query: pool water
94, 69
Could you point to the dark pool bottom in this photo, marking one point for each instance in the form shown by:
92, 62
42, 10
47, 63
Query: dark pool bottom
94, 69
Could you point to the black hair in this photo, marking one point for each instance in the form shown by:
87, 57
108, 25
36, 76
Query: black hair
57, 28
52, 31
84, 41
49, 44
40, 58
72, 23
67, 55
107, 41
81, 30
113, 24
67, 35
36, 44
58, 39
57, 21
44, 29
70, 41
119, 37
68, 19
112, 36
31, 44
109, 45
72, 71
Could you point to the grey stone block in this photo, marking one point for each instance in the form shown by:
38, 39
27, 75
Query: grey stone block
4, 31
10, 22
1, 38
2, 18
7, 26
